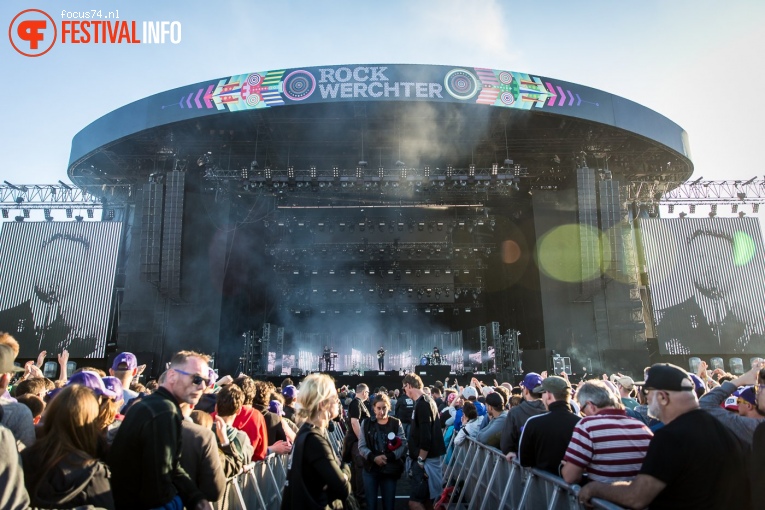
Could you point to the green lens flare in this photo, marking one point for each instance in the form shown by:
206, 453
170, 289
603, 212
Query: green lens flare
572, 253
743, 248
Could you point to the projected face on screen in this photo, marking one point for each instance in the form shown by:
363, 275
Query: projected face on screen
56, 285
706, 285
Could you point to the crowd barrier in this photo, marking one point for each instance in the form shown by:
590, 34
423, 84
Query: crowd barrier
487, 480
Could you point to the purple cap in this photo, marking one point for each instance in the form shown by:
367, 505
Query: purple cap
115, 385
290, 391
213, 375
126, 359
92, 381
276, 407
698, 384
531, 381
746, 394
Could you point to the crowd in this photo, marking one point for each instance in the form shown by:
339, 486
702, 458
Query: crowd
674, 440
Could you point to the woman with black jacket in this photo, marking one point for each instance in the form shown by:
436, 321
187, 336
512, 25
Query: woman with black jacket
315, 479
383, 445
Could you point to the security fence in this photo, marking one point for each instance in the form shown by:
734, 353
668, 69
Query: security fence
483, 478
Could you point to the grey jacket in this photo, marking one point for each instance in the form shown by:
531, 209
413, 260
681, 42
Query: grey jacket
13, 495
18, 418
491, 434
741, 426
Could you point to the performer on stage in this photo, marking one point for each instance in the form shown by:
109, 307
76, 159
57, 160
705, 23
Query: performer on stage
327, 355
381, 358
436, 356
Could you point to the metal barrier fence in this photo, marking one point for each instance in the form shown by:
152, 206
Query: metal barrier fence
487, 480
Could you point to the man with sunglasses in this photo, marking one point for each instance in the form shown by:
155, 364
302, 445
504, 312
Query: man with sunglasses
145, 455
692, 462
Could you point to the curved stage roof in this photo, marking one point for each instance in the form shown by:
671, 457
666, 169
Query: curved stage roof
324, 120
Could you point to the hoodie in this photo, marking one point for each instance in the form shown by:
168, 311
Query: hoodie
69, 483
516, 419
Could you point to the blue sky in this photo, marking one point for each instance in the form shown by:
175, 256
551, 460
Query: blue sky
697, 62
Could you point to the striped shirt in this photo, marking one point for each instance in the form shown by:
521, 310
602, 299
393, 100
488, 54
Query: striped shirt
610, 445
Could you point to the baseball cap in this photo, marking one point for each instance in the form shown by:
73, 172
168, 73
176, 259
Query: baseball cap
625, 381
553, 384
668, 377
115, 385
92, 381
6, 360
276, 407
126, 359
290, 391
531, 381
747, 394
469, 391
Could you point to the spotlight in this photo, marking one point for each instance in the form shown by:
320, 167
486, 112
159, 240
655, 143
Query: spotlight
90, 214
78, 218
5, 213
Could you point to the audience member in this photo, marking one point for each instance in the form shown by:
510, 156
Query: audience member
471, 425
229, 405
125, 368
61, 470
677, 471
383, 445
199, 456
606, 443
17, 417
251, 422
491, 434
357, 412
531, 405
147, 449
545, 437
742, 424
626, 387
426, 446
315, 478
290, 394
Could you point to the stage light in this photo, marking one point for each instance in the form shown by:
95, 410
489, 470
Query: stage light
19, 218
90, 213
692, 209
25, 212
78, 218
670, 208
741, 214
5, 213
755, 208
682, 215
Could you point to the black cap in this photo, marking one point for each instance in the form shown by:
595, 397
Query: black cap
668, 377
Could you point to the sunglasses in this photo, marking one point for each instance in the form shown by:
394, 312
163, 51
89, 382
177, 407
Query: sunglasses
195, 378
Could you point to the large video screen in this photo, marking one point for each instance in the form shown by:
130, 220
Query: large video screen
56, 285
706, 281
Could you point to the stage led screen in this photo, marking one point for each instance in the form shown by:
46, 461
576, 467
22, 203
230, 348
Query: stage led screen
56, 285
706, 282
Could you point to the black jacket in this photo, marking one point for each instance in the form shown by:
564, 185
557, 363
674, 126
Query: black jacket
274, 426
145, 456
315, 478
516, 419
68, 484
545, 437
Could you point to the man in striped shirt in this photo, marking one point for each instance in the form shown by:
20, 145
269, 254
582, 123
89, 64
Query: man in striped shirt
606, 443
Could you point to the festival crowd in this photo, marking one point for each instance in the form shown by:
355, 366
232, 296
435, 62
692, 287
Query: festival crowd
95, 440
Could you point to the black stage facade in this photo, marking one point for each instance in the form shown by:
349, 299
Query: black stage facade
481, 212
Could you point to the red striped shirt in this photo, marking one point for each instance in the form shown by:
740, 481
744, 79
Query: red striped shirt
610, 445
